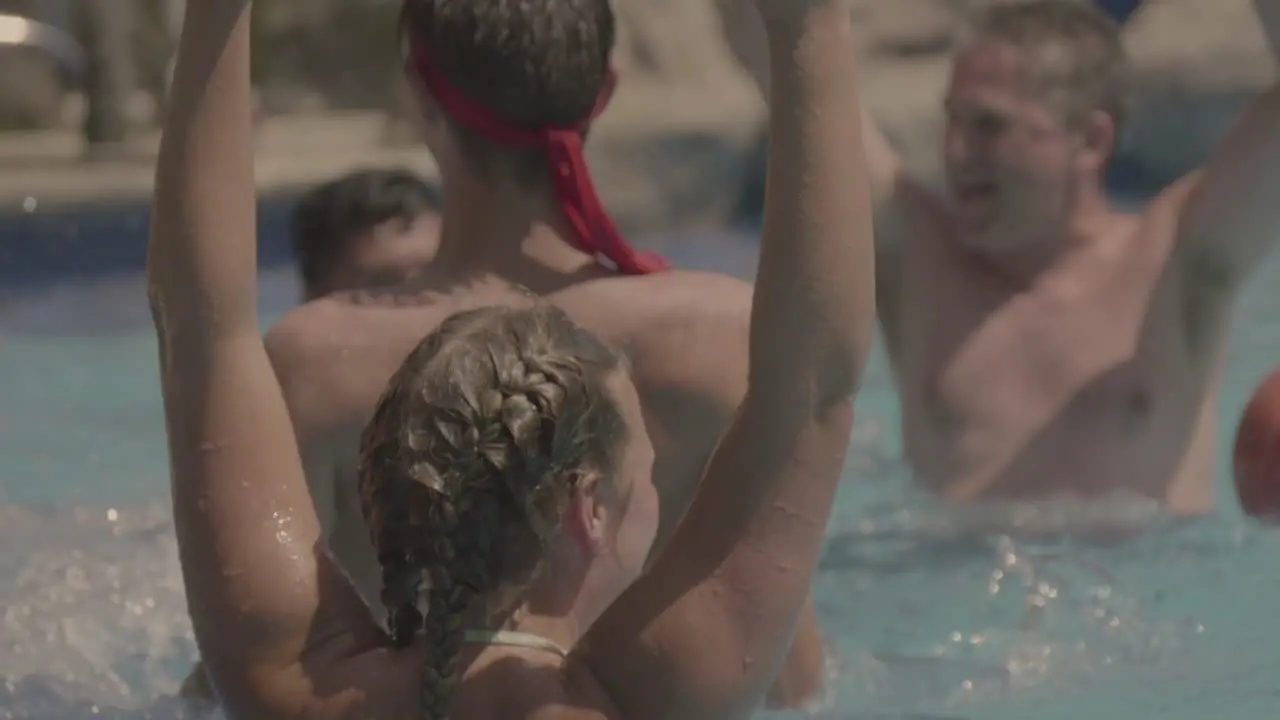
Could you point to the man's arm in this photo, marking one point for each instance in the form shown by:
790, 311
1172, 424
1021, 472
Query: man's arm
1231, 216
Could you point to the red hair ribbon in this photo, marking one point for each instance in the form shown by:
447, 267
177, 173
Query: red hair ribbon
595, 231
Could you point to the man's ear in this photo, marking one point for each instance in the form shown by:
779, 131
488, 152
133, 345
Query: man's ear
1099, 136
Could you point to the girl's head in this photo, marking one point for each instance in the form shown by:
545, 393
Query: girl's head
506, 469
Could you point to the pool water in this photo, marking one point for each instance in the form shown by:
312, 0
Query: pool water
928, 617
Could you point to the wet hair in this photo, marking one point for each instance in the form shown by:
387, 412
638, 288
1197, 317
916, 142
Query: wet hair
332, 215
1079, 58
533, 63
469, 465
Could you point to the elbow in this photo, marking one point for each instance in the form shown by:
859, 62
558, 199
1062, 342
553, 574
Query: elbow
836, 367
801, 679
839, 376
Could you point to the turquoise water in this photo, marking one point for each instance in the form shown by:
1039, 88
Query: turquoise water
929, 617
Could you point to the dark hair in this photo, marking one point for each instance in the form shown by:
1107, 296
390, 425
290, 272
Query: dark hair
469, 464
1079, 58
333, 214
533, 63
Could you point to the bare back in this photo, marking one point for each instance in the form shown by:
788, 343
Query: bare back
684, 333
1098, 379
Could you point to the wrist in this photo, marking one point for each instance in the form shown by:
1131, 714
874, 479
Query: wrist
786, 29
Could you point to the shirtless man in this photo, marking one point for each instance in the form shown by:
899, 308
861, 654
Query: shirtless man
1045, 343
508, 231
368, 228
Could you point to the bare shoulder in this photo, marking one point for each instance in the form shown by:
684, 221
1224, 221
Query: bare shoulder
651, 306
1163, 223
303, 347
1170, 202
333, 357
575, 694
303, 331
670, 323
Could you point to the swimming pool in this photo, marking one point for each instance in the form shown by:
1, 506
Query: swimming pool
930, 621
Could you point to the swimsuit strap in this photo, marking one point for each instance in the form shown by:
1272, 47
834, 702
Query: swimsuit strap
511, 638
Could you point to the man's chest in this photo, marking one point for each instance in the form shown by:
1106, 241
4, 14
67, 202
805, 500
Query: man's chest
994, 380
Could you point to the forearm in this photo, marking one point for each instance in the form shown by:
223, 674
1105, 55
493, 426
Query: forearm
812, 309
750, 43
802, 675
202, 257
1230, 219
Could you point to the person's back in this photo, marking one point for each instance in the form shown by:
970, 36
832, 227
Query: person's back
684, 333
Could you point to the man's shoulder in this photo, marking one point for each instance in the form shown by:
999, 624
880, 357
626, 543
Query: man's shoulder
306, 331
680, 328
656, 302
331, 355
343, 322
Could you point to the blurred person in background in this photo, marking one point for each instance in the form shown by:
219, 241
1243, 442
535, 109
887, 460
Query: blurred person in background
1046, 343
366, 229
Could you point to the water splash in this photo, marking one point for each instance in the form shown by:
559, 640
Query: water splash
94, 617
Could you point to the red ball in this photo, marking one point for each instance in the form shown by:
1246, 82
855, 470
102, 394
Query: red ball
1257, 452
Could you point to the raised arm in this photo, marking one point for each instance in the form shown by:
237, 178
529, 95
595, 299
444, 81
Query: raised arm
885, 171
739, 566
902, 205
246, 529
1231, 217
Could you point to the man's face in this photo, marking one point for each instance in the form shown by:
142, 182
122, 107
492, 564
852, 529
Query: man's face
385, 255
1010, 161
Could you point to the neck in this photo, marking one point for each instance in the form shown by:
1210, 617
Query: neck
563, 631
1088, 218
505, 230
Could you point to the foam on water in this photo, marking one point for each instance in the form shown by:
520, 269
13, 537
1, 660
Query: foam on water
94, 619
925, 616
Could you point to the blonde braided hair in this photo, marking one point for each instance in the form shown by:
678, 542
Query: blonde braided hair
468, 465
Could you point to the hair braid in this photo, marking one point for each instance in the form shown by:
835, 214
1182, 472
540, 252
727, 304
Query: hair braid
467, 468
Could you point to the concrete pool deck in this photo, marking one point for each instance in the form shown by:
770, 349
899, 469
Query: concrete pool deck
659, 158
676, 150
47, 167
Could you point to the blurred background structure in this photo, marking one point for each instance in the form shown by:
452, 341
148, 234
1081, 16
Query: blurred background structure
680, 146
